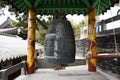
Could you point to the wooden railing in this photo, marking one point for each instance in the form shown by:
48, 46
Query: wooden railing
106, 21
5, 72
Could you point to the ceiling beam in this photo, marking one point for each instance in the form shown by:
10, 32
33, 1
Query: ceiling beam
49, 2
73, 2
16, 2
41, 9
54, 1
36, 3
100, 9
78, 1
107, 2
104, 5
21, 5
28, 3
64, 2
95, 3
45, 2
68, 2
59, 6
63, 10
26, 11
87, 3
24, 8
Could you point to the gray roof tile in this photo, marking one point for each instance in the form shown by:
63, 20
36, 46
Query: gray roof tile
11, 47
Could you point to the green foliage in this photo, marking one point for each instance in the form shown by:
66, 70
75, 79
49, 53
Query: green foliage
40, 31
40, 34
76, 28
22, 25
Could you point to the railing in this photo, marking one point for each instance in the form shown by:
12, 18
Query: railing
5, 72
109, 20
104, 55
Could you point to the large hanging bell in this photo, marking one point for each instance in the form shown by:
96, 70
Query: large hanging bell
59, 42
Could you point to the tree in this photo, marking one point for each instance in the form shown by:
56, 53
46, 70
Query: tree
76, 28
22, 26
22, 19
40, 31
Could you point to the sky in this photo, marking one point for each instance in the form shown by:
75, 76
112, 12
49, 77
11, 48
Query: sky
76, 18
7, 14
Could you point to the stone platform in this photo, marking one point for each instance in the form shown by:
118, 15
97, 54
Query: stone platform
70, 73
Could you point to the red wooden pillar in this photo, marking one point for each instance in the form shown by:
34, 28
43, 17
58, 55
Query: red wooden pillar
91, 39
31, 41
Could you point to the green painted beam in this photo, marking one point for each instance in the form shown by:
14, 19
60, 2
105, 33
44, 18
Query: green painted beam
62, 11
13, 1
49, 2
45, 2
100, 10
59, 6
26, 11
78, 1
59, 2
17, 2
21, 5
54, 2
36, 3
107, 1
28, 3
68, 2
64, 2
95, 3
24, 8
47, 9
87, 3
73, 2
41, 2
104, 5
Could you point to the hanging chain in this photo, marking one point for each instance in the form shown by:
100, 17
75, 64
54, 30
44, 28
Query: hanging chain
115, 41
114, 33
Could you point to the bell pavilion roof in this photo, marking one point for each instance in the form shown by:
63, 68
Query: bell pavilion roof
46, 7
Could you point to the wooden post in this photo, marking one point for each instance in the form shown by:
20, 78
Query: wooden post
103, 25
31, 41
91, 39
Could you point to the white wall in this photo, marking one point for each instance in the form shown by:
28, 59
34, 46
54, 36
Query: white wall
110, 13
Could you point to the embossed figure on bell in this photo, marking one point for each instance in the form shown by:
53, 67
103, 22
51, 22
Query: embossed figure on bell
59, 42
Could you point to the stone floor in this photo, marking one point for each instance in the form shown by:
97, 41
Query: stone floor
70, 73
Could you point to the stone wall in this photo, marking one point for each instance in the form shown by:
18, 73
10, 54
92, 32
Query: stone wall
105, 43
81, 47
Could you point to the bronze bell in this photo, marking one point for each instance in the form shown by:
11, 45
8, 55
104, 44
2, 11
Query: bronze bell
59, 47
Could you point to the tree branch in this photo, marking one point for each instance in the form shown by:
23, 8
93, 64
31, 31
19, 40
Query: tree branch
43, 24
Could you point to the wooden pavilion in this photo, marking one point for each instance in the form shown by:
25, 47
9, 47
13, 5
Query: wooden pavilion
45, 7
